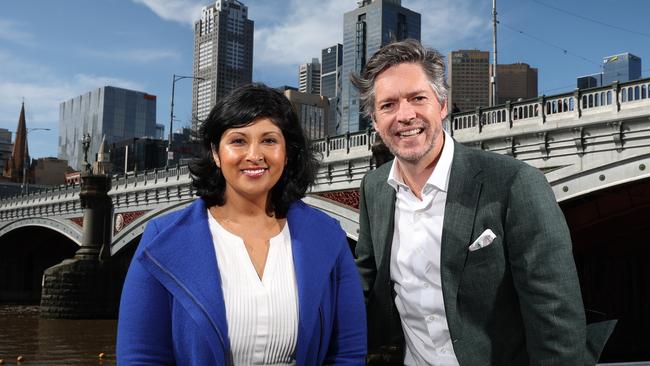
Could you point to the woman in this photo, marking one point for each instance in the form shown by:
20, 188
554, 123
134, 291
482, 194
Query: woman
247, 274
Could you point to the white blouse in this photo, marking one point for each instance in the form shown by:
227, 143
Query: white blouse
262, 314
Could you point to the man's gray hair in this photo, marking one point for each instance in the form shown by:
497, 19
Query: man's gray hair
392, 54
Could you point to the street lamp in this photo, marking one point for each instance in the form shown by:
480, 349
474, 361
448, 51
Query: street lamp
170, 153
25, 186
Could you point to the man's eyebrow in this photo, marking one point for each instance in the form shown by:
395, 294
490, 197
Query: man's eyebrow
393, 97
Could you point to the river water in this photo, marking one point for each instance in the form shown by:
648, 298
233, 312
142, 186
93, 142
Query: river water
54, 341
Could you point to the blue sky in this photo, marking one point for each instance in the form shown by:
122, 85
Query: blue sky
51, 51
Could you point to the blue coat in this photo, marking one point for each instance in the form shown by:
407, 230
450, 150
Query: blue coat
172, 308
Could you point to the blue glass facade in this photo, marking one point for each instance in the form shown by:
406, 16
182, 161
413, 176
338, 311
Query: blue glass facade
623, 67
365, 30
115, 113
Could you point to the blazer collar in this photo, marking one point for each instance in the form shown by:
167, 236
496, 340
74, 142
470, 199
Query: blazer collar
462, 199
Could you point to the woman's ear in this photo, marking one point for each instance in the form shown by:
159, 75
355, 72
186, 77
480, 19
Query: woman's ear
215, 156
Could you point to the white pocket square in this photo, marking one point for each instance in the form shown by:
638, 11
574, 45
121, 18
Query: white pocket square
483, 240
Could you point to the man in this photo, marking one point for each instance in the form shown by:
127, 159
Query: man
464, 255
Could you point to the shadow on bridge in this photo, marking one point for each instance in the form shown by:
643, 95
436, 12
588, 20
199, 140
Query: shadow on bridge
24, 254
610, 230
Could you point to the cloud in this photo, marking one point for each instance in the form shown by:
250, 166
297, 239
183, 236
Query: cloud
43, 90
139, 56
453, 24
181, 11
10, 31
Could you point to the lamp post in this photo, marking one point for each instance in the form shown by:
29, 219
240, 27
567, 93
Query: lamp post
25, 186
175, 78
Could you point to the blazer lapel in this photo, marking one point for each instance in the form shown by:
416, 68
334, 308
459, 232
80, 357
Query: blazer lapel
312, 260
184, 261
460, 210
380, 205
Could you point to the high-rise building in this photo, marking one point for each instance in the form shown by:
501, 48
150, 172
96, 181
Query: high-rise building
309, 77
312, 110
516, 81
330, 83
223, 54
469, 79
5, 147
365, 29
622, 67
108, 111
590, 81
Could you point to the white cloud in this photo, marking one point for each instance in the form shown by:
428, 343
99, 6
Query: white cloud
43, 91
453, 24
139, 56
10, 31
181, 11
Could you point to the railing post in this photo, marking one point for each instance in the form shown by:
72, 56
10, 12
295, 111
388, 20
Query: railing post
616, 88
508, 113
578, 97
542, 107
479, 118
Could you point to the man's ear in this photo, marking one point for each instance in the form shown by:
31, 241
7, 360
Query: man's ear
443, 110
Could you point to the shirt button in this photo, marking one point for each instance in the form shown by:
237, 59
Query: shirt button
430, 318
426, 285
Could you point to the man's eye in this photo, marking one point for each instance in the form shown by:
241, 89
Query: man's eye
420, 98
386, 106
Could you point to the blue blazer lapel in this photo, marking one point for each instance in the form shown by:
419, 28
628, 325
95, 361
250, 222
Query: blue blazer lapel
184, 261
312, 261
460, 210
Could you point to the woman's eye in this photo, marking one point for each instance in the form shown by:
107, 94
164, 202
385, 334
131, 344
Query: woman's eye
270, 141
237, 141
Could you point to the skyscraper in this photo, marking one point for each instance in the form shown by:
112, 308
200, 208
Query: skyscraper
516, 81
365, 29
108, 111
223, 54
330, 83
623, 67
309, 77
469, 79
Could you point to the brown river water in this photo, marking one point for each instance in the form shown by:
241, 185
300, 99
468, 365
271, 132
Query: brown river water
53, 341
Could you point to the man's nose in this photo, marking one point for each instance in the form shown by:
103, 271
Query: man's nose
405, 111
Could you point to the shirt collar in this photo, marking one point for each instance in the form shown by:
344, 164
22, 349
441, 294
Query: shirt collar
438, 179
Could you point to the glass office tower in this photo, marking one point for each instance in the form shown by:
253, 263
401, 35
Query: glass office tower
365, 29
108, 111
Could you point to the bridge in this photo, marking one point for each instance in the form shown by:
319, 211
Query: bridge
592, 144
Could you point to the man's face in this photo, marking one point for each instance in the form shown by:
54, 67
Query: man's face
408, 116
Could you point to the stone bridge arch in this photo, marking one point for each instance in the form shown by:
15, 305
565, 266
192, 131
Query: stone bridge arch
66, 227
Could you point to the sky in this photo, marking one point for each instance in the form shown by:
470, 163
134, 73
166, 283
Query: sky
52, 51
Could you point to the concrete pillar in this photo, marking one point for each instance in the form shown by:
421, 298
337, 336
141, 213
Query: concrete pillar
80, 288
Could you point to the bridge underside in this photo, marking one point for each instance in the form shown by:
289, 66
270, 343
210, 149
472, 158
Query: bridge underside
24, 254
611, 237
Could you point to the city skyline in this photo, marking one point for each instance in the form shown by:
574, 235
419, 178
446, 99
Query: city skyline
51, 52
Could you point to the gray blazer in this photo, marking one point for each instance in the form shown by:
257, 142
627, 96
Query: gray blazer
514, 302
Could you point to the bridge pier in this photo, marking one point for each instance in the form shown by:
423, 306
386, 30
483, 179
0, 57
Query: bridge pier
81, 287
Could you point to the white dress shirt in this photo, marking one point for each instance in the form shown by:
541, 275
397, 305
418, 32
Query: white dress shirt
415, 264
262, 314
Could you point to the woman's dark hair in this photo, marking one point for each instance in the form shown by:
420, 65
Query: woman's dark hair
239, 109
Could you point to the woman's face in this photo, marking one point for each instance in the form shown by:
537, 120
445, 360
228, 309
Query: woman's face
251, 159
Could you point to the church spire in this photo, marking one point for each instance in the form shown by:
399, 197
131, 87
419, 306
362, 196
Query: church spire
20, 152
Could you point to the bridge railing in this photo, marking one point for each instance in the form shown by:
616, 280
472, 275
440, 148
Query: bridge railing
346, 143
566, 105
